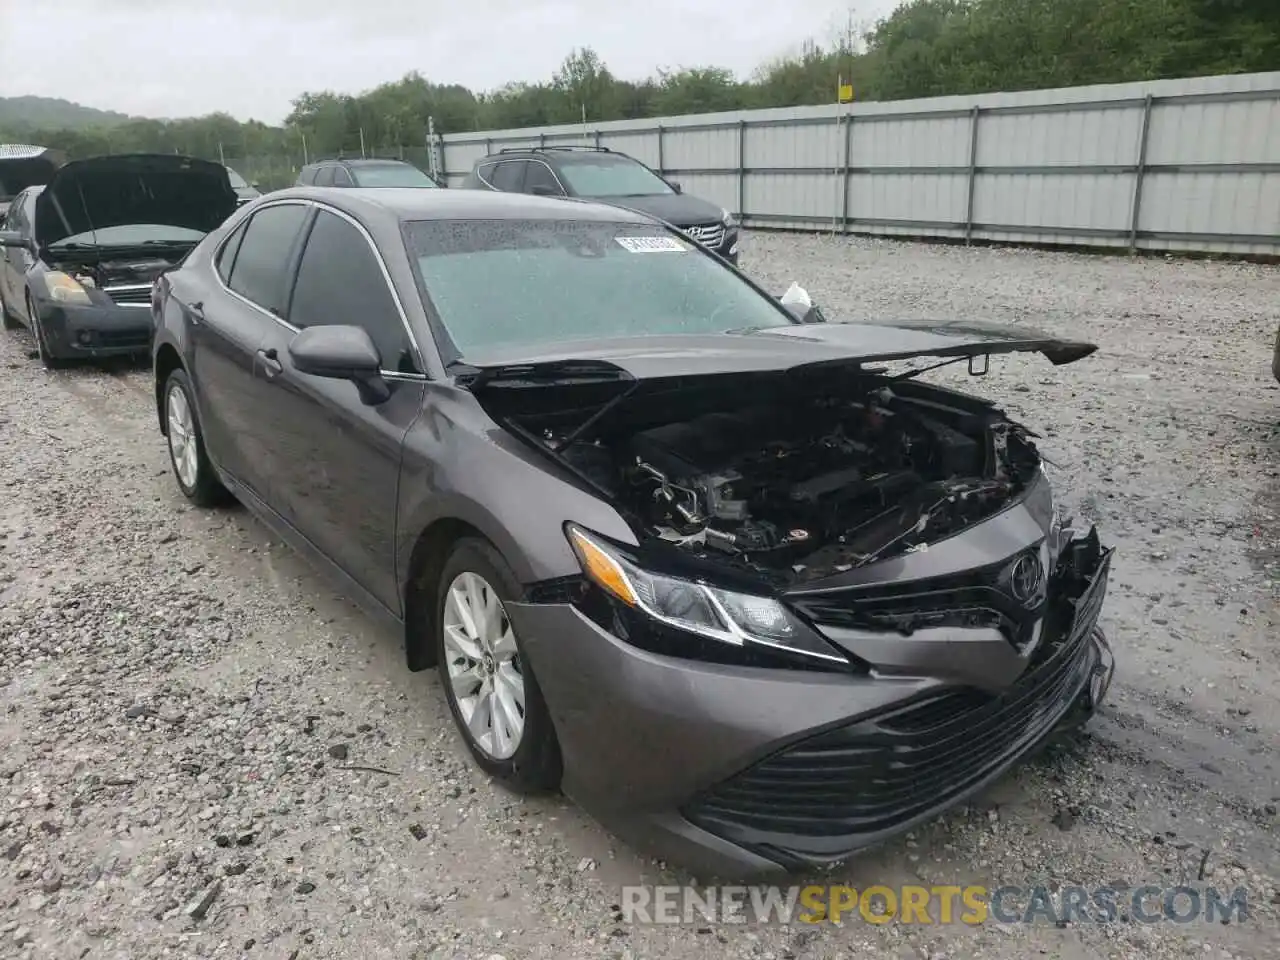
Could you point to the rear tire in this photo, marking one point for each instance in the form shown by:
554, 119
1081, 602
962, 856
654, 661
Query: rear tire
191, 466
487, 679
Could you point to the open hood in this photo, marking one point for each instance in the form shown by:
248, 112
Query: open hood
115, 191
785, 348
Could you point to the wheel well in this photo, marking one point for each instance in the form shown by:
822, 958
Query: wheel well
425, 566
167, 361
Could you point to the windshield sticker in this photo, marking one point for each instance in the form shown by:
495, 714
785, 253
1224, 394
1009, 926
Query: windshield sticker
652, 244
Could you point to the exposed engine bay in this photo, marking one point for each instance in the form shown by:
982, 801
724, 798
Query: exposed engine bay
120, 272
814, 483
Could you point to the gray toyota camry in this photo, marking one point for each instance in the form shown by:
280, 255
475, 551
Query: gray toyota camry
695, 557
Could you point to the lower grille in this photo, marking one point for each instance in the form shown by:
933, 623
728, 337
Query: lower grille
121, 338
709, 235
880, 773
132, 295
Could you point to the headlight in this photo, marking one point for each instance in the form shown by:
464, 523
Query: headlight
64, 288
729, 219
738, 619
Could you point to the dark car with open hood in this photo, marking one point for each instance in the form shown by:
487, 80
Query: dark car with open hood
607, 176
79, 255
750, 595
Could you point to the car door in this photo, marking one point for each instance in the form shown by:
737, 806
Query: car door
228, 325
337, 460
8, 254
20, 260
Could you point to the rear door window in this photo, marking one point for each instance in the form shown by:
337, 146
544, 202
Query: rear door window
260, 271
538, 174
342, 178
324, 177
227, 255
508, 175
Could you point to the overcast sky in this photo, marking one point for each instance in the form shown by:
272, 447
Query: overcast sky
173, 58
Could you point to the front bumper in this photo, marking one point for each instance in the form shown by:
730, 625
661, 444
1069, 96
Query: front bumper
729, 248
95, 330
738, 772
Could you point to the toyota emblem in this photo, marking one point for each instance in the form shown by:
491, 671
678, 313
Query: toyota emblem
1026, 579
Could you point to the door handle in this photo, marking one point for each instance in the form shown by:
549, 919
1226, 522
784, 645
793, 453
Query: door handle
270, 363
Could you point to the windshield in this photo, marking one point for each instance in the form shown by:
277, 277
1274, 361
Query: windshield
611, 177
237, 182
131, 234
502, 283
391, 175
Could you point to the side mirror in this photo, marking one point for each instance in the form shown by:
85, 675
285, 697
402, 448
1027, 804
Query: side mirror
542, 190
809, 314
13, 240
341, 352
675, 185
800, 305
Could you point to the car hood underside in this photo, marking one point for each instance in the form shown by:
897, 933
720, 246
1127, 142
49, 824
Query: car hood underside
802, 346
113, 191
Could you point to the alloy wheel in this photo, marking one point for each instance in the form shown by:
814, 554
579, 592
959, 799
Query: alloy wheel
182, 437
485, 675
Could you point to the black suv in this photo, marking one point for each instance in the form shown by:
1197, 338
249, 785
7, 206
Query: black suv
606, 176
363, 173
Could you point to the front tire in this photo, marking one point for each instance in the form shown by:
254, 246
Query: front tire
190, 462
7, 318
49, 361
491, 691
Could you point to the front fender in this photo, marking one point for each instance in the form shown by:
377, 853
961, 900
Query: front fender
459, 465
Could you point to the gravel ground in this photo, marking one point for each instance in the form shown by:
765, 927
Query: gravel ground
205, 752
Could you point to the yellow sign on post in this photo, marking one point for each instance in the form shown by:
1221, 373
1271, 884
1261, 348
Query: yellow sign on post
846, 93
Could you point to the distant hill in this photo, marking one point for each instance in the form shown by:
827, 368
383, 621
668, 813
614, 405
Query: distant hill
50, 113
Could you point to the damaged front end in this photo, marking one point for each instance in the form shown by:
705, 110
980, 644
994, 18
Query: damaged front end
117, 279
757, 497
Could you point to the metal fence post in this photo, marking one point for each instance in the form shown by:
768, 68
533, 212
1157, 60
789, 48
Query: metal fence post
742, 170
542, 139
974, 116
662, 167
1144, 137
844, 191
597, 139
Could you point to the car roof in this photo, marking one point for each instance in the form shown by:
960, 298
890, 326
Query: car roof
558, 153
359, 162
404, 204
